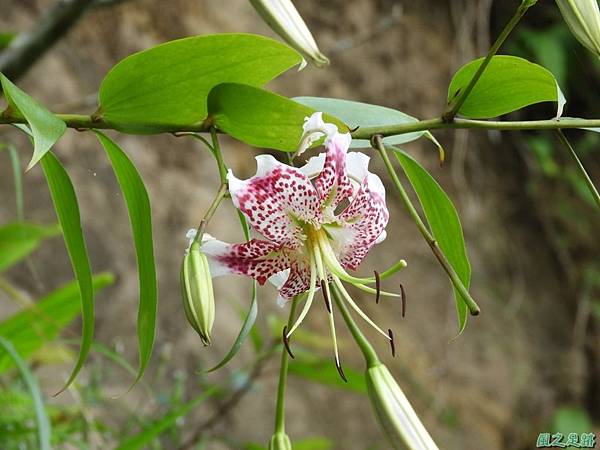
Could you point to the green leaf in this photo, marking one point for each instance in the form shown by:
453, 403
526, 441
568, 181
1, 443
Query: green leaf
6, 39
356, 114
444, 224
323, 371
260, 118
46, 129
31, 328
167, 85
43, 424
571, 420
67, 210
138, 206
508, 83
315, 443
246, 328
155, 429
19, 239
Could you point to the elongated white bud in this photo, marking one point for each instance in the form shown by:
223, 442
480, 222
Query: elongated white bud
394, 413
197, 292
583, 19
284, 19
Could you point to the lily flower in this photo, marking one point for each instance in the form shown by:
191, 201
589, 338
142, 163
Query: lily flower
319, 221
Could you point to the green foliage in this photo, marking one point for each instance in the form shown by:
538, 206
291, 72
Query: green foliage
6, 39
31, 328
46, 129
43, 424
571, 420
67, 210
19, 239
356, 114
258, 117
167, 85
444, 225
18, 181
508, 83
323, 371
138, 206
155, 429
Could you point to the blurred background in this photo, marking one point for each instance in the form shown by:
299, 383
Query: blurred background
529, 364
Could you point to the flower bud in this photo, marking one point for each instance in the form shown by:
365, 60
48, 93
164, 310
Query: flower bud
395, 415
197, 292
284, 19
280, 441
583, 19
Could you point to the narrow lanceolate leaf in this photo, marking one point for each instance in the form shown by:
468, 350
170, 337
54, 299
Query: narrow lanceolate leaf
155, 429
43, 424
260, 118
19, 239
508, 83
46, 129
444, 224
32, 327
166, 87
246, 328
67, 210
138, 206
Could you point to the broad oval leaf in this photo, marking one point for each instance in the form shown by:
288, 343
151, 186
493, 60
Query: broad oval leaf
32, 327
138, 206
357, 114
260, 118
507, 84
46, 129
19, 239
165, 87
444, 224
67, 210
43, 424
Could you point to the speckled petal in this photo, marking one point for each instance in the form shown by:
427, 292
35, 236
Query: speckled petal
298, 280
332, 183
364, 220
275, 199
256, 258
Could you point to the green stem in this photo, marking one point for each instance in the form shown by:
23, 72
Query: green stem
283, 373
217, 151
211, 211
365, 346
456, 104
588, 181
83, 122
469, 301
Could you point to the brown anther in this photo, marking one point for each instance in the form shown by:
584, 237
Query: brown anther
403, 298
286, 342
391, 335
340, 370
352, 130
377, 286
325, 296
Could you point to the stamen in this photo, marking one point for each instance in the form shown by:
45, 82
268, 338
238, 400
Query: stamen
377, 286
286, 342
356, 308
391, 334
326, 296
403, 298
340, 370
309, 299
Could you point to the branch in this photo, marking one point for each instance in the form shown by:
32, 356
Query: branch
28, 47
85, 122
